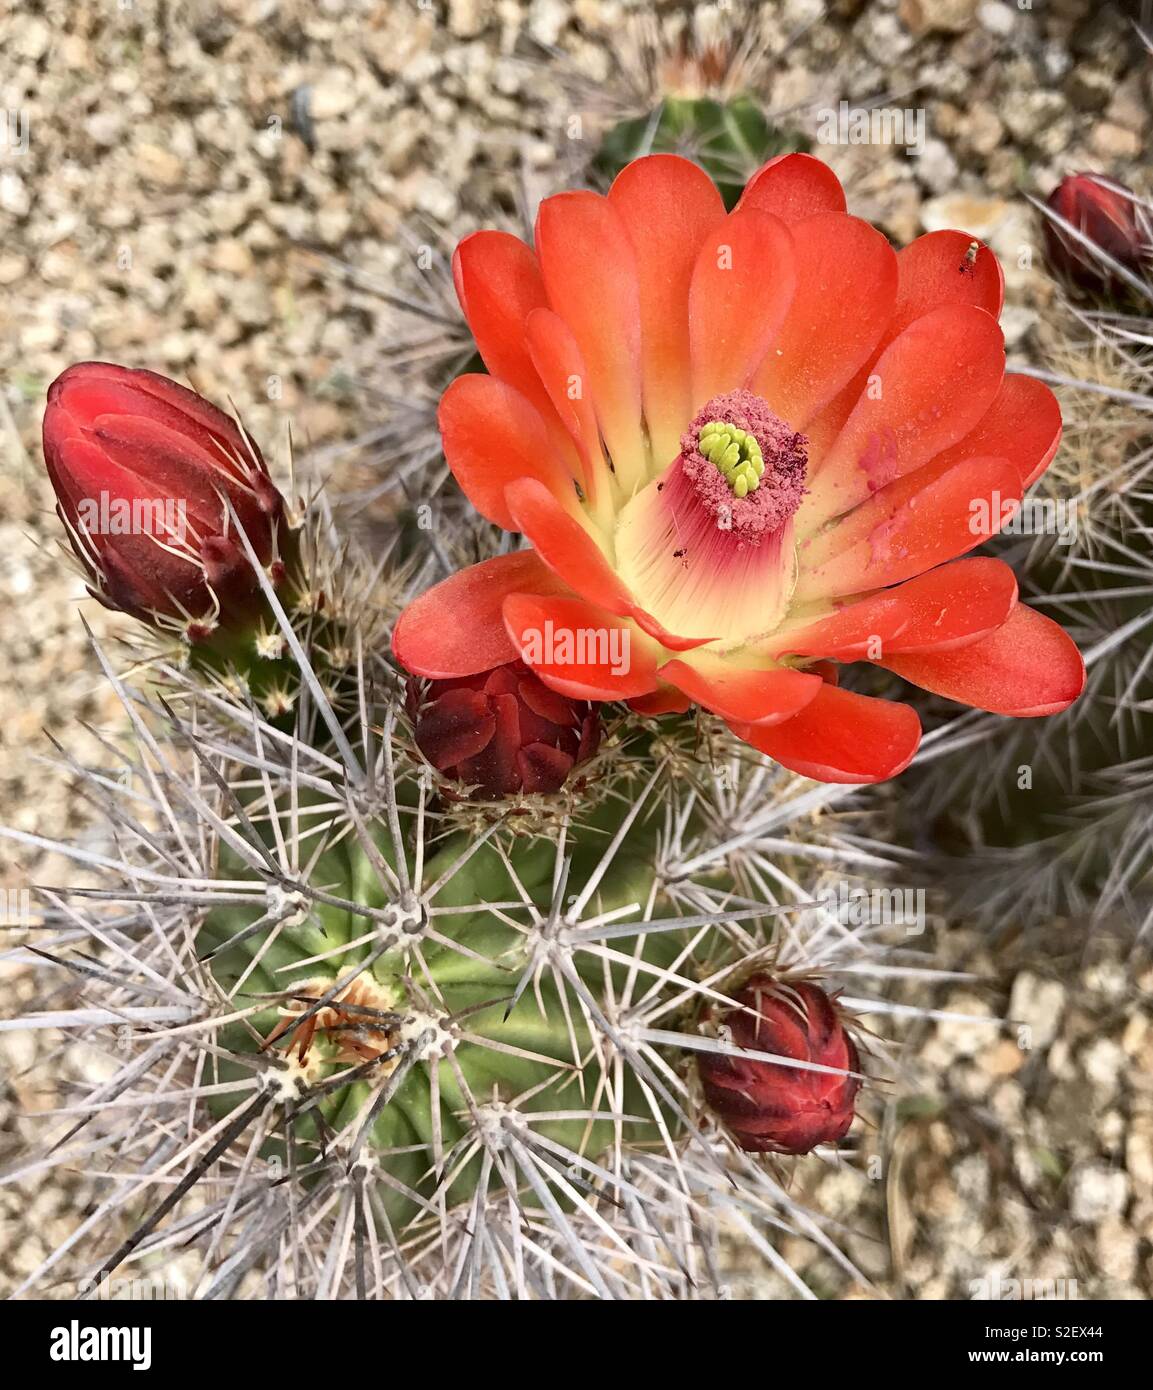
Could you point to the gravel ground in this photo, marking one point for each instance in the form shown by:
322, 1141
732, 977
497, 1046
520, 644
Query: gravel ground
178, 187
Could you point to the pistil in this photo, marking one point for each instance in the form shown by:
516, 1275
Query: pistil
736, 454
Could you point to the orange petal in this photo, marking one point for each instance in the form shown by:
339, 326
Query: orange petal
841, 737
861, 629
839, 260
793, 187
498, 283
741, 694
492, 436
581, 650
1023, 425
457, 627
954, 605
561, 369
1028, 667
668, 206
933, 272
930, 516
743, 283
929, 387
573, 554
942, 268
590, 273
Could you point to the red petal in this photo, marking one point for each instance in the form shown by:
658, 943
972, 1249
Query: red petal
571, 645
590, 737
939, 268
954, 605
668, 206
842, 737
1028, 667
90, 389
743, 695
935, 381
590, 274
498, 283
839, 260
930, 516
227, 571
502, 681
665, 700
456, 628
456, 725
81, 469
548, 704
793, 187
495, 769
742, 285
542, 768
164, 462
493, 436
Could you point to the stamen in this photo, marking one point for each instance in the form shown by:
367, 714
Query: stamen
736, 454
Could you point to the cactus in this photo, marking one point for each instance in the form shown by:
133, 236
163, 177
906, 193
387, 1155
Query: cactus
378, 1026
687, 83
358, 1046
730, 140
365, 1033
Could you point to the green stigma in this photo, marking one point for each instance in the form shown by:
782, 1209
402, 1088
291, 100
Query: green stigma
736, 454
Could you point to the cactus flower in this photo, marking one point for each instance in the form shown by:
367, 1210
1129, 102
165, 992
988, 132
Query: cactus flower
768, 1107
503, 732
141, 467
1109, 216
741, 446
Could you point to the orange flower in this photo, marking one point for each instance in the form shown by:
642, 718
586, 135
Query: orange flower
743, 447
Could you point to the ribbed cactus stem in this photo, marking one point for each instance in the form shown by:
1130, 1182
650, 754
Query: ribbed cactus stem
730, 138
478, 996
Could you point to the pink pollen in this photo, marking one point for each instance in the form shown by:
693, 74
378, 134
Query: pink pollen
786, 458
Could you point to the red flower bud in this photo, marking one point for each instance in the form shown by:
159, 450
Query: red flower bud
1109, 216
772, 1108
141, 466
502, 731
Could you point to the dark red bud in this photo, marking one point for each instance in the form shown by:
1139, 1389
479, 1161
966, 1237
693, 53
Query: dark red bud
768, 1106
144, 471
502, 732
1110, 217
